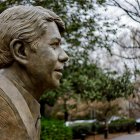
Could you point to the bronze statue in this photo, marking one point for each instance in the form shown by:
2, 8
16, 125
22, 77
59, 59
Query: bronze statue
31, 61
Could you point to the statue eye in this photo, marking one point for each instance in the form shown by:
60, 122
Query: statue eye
55, 45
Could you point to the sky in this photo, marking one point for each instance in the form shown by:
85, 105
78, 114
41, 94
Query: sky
106, 61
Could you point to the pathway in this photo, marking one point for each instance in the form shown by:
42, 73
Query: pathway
129, 137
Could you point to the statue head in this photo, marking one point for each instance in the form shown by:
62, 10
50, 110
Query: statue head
24, 23
30, 36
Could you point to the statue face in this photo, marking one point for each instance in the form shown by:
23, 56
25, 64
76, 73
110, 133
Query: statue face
45, 65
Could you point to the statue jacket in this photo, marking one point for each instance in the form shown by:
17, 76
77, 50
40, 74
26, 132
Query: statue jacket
19, 113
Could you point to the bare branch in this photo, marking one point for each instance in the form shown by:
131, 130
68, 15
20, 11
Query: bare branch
135, 37
127, 47
132, 6
131, 14
137, 41
125, 57
137, 1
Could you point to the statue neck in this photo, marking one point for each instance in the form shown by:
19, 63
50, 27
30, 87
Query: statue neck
18, 75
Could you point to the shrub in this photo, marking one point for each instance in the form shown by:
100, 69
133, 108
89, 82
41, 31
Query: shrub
95, 126
81, 128
101, 129
86, 128
55, 130
122, 125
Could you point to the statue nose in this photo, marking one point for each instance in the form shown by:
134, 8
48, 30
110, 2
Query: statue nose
63, 57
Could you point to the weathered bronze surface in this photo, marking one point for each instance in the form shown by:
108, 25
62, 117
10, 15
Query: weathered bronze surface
31, 61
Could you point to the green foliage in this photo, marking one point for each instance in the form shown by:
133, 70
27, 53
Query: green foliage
86, 128
105, 110
101, 1
123, 121
81, 128
49, 98
7, 3
55, 130
95, 84
92, 83
122, 125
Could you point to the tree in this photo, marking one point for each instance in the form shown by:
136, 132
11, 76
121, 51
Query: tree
131, 8
129, 40
4, 4
134, 102
104, 87
105, 110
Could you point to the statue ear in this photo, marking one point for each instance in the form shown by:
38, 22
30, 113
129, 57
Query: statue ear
18, 51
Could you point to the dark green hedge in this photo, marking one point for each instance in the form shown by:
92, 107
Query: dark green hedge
122, 125
55, 130
81, 128
84, 128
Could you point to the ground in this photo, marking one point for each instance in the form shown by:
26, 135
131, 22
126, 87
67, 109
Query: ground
135, 135
101, 137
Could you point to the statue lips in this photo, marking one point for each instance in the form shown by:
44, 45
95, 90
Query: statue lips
59, 72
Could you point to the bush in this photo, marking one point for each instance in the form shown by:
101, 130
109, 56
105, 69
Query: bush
101, 129
122, 125
95, 126
81, 128
55, 130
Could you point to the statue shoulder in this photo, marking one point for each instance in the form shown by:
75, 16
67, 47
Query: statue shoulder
10, 128
6, 106
7, 114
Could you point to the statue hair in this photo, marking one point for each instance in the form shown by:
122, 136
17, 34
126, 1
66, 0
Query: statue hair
26, 23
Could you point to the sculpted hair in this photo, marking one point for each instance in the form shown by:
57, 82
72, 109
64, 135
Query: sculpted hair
26, 23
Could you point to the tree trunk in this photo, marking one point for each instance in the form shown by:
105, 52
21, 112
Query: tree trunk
106, 130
